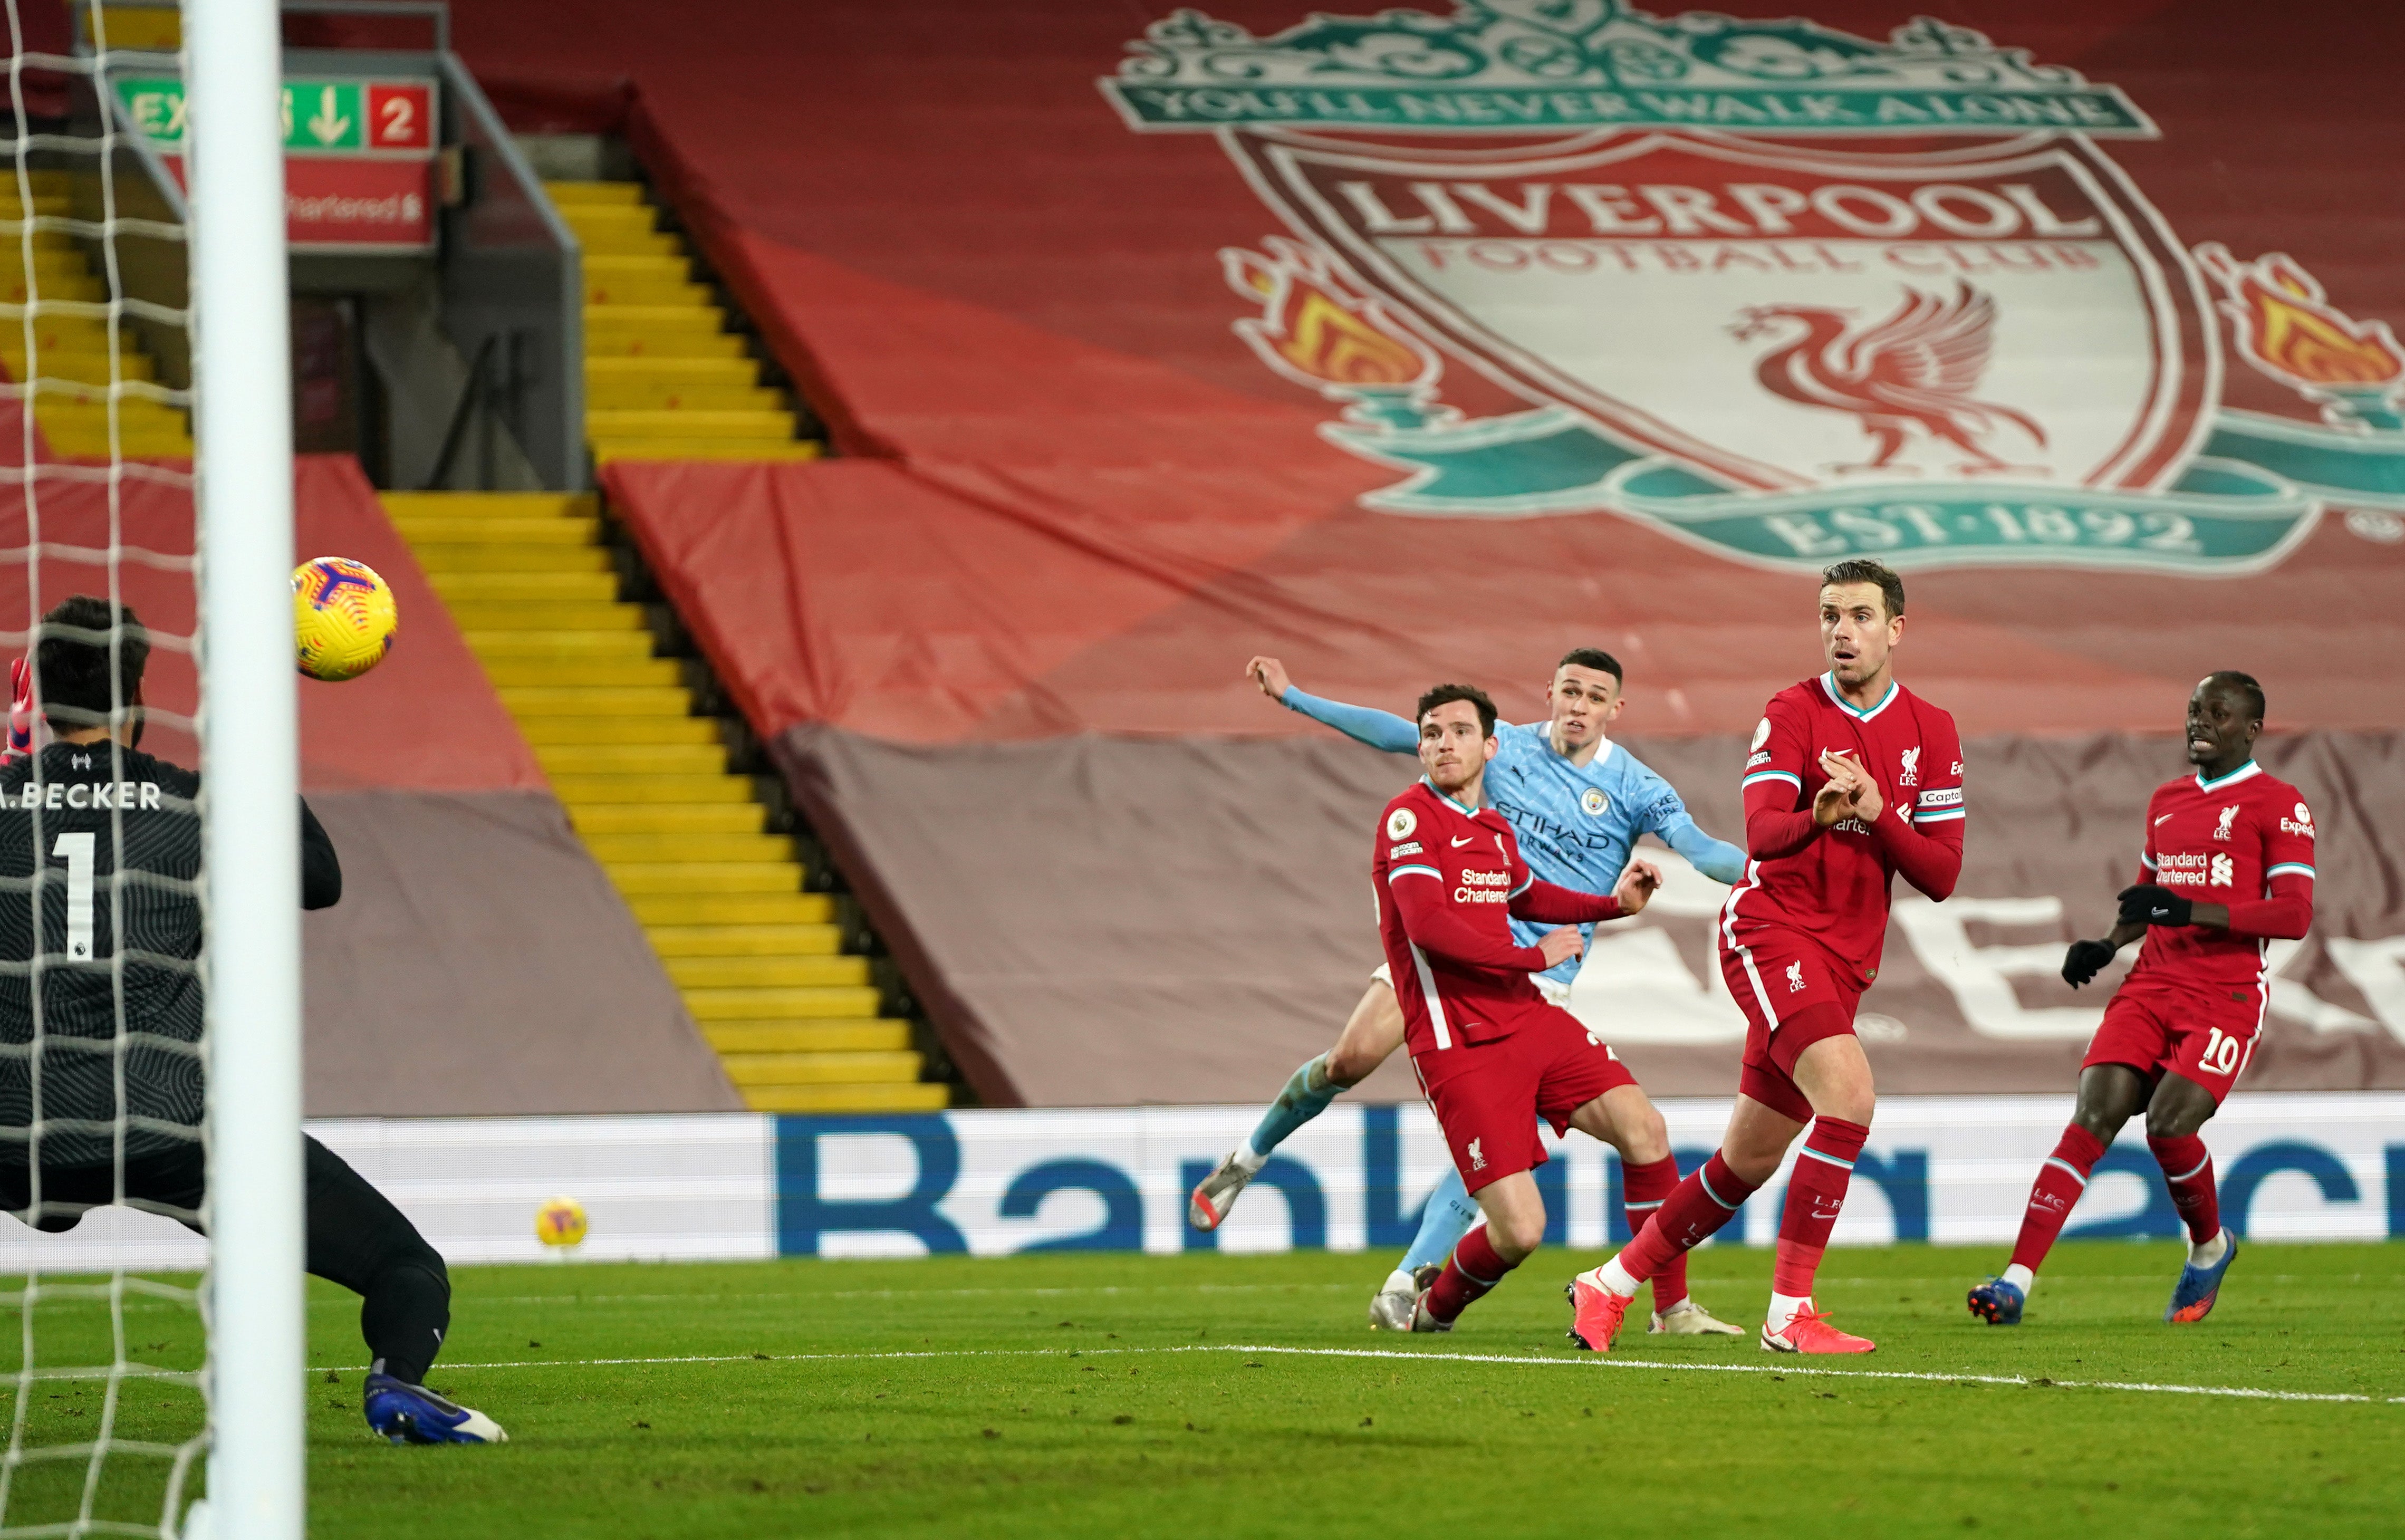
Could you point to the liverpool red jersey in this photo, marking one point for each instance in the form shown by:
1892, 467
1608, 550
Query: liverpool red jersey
1832, 885
2246, 841
1449, 879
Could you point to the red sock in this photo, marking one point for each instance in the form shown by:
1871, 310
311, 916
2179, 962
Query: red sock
2187, 1166
2060, 1182
1643, 1191
1695, 1207
1815, 1193
1471, 1271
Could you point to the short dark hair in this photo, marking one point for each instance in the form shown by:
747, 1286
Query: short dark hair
1594, 658
2244, 684
71, 670
1864, 569
1445, 693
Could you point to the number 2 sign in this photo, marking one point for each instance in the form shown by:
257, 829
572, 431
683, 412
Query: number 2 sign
400, 117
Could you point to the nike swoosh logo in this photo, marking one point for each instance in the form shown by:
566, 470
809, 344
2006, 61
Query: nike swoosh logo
2165, 819
1463, 840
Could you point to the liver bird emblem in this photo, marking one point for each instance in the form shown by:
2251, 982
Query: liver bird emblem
1915, 370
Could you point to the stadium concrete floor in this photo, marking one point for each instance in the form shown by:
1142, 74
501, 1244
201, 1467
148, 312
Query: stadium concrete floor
1234, 1395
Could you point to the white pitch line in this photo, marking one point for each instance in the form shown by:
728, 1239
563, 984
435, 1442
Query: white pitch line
796, 1296
1598, 1361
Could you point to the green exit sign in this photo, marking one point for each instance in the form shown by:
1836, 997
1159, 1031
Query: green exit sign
349, 116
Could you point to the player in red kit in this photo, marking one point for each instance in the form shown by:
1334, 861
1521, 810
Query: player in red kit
1491, 1053
2228, 865
1851, 780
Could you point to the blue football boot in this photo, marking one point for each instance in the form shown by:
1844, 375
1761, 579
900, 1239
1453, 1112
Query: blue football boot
1998, 1303
2198, 1287
412, 1414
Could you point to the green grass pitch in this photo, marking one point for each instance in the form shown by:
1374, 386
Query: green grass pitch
1123, 1395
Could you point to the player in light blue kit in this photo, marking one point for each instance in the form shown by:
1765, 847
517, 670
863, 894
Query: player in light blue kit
1577, 802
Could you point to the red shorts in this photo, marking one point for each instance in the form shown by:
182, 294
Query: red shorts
1792, 996
2206, 1034
1488, 1096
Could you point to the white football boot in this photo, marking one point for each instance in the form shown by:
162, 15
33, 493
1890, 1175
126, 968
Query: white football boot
1216, 1195
1689, 1319
1391, 1308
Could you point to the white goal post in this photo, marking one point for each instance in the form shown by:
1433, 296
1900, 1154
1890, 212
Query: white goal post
234, 71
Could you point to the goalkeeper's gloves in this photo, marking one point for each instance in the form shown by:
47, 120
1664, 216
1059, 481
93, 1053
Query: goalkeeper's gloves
20, 710
2085, 960
2147, 904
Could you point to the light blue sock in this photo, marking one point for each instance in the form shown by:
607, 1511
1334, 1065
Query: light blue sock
1450, 1213
1308, 1092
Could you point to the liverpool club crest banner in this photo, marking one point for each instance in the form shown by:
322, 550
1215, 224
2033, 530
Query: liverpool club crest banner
1782, 292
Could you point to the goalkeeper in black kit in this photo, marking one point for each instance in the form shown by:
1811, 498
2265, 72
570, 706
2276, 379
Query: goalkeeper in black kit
100, 1073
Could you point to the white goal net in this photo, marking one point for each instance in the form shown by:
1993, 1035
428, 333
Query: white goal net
131, 1394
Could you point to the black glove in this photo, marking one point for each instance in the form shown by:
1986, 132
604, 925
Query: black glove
2147, 904
2085, 960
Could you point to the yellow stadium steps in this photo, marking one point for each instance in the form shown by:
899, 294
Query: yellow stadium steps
705, 449
688, 423
64, 260
427, 529
558, 732
796, 1004
604, 394
597, 587
58, 295
572, 506
612, 268
86, 367
515, 560
81, 404
602, 729
599, 217
666, 344
734, 370
647, 785
734, 909
17, 291
783, 1069
581, 193
704, 876
629, 242
697, 316
598, 701
580, 791
812, 972
584, 645
724, 941
666, 377
500, 614
688, 845
78, 440
807, 1037
582, 671
637, 759
641, 280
